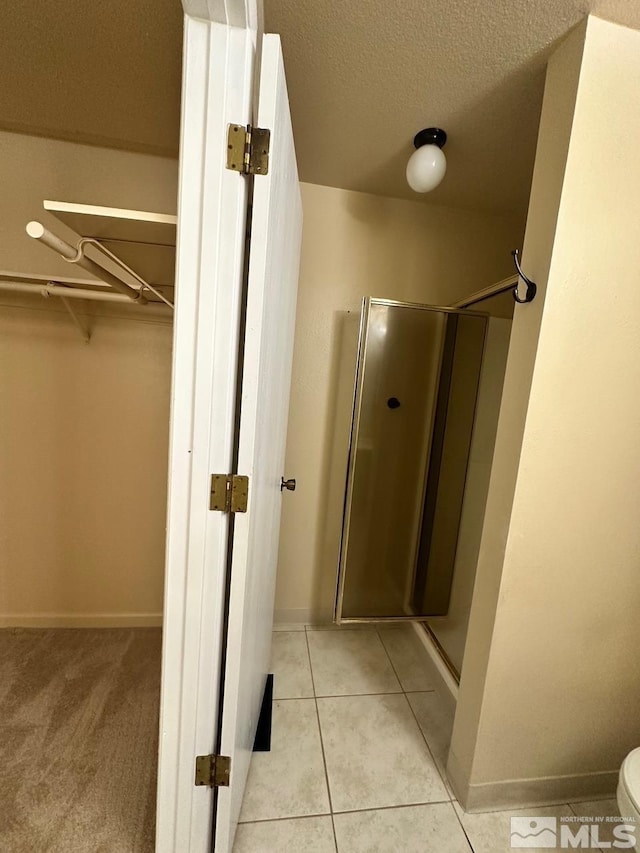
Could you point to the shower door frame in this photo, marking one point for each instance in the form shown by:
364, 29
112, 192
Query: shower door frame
367, 302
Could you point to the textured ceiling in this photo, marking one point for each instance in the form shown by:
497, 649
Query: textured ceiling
106, 72
364, 76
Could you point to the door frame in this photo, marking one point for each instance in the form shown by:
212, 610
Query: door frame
219, 59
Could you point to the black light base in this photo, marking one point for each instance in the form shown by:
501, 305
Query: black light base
262, 742
430, 136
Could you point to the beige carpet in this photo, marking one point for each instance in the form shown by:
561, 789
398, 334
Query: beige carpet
78, 740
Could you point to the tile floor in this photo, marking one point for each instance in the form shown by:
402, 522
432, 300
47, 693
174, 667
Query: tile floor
359, 747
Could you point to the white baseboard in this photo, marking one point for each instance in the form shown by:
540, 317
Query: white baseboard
80, 620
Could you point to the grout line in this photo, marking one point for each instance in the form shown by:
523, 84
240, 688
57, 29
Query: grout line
402, 692
392, 808
450, 796
576, 802
395, 672
291, 698
413, 714
350, 695
459, 819
324, 758
506, 812
287, 817
349, 811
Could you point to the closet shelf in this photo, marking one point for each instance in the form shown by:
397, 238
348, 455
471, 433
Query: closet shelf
116, 223
144, 240
131, 254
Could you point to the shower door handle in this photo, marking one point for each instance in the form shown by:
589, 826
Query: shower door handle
290, 485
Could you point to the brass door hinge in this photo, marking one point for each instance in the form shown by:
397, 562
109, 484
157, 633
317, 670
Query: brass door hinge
229, 493
248, 149
213, 770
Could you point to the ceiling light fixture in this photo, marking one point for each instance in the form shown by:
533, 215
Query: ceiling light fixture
427, 164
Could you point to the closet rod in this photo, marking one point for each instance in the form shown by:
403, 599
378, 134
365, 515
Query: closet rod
39, 232
51, 289
487, 292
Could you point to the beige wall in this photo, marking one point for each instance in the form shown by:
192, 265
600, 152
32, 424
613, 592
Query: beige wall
83, 428
357, 245
550, 688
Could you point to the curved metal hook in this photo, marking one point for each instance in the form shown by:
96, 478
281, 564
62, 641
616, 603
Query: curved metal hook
532, 287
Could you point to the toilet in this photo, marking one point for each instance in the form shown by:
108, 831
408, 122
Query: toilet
628, 794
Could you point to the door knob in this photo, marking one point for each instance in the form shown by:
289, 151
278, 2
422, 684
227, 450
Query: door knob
290, 485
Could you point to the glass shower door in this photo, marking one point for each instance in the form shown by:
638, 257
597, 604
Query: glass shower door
414, 404
450, 629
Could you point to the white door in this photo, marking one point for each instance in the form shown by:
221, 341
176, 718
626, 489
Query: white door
276, 233
211, 357
217, 90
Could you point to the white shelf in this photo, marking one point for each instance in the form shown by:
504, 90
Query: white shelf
116, 223
144, 240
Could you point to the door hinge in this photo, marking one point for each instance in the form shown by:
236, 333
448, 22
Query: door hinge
229, 493
213, 770
248, 149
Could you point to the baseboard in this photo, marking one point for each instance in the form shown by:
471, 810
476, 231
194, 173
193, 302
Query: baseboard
447, 685
293, 616
530, 793
80, 620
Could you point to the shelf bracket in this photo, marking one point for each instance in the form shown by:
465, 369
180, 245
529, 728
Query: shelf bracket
82, 327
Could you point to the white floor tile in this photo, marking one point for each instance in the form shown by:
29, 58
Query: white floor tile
375, 754
308, 834
347, 663
290, 780
290, 665
409, 657
598, 810
436, 721
413, 829
491, 832
289, 626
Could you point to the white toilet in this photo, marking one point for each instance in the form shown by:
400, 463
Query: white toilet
629, 790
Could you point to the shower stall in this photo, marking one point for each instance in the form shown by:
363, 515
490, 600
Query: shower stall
425, 404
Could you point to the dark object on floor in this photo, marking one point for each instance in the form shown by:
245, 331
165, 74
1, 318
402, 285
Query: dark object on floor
262, 743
